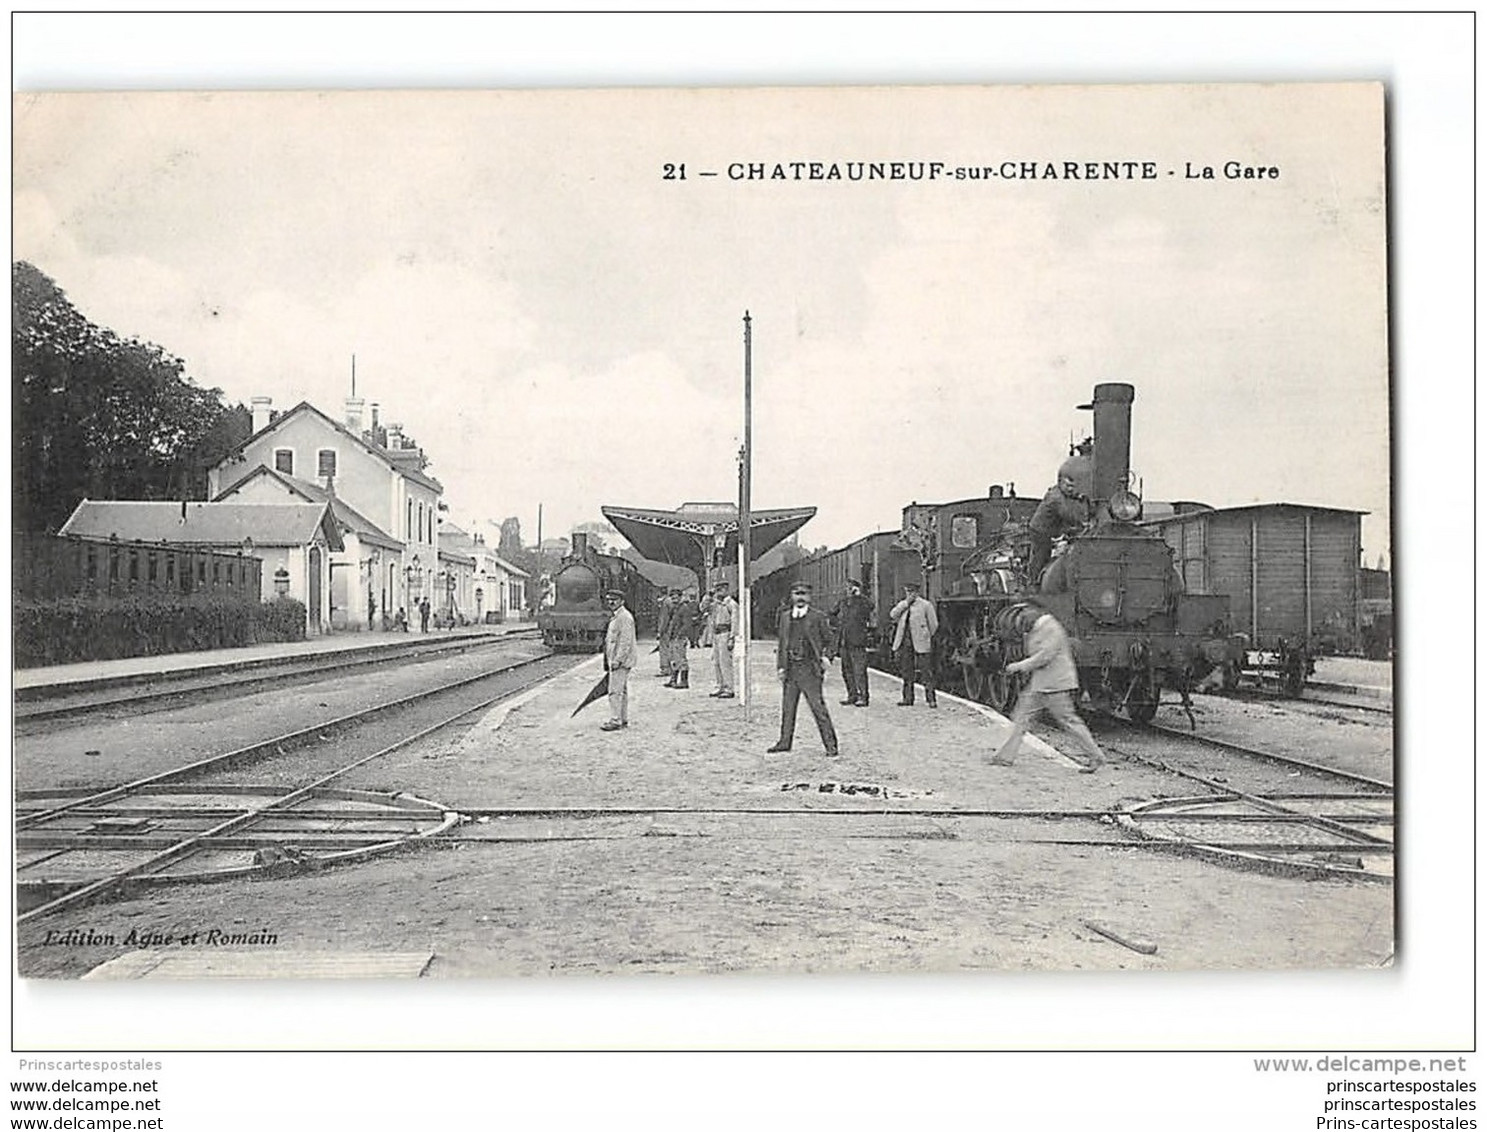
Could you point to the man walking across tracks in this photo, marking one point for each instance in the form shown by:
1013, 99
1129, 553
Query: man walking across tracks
1053, 679
913, 641
619, 659
854, 624
722, 622
805, 644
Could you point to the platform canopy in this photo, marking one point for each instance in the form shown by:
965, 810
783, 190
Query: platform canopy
697, 534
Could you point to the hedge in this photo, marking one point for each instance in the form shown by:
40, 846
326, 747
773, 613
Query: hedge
71, 629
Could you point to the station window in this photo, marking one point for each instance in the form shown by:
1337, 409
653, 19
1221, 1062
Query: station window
963, 532
325, 463
284, 460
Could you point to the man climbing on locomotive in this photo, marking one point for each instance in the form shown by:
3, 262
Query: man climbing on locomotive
1064, 510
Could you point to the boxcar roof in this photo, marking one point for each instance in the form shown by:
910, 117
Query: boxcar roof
1190, 516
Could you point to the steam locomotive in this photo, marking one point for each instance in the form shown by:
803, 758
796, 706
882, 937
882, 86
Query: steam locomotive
1078, 551
576, 619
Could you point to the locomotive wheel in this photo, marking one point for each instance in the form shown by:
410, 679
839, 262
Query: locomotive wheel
1001, 690
975, 681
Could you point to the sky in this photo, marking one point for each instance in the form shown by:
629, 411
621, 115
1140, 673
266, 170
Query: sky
557, 323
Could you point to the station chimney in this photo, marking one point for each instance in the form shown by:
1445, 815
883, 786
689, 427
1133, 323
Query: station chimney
263, 408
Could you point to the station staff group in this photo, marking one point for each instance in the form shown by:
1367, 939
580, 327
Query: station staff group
808, 640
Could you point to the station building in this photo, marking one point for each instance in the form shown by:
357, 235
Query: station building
489, 590
382, 498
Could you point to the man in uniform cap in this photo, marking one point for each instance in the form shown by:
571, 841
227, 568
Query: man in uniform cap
619, 658
663, 618
913, 641
683, 617
854, 623
806, 643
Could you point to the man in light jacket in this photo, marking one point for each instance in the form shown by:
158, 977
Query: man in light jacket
1053, 679
913, 641
619, 658
721, 628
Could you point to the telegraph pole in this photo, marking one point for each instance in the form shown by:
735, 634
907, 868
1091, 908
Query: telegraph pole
745, 556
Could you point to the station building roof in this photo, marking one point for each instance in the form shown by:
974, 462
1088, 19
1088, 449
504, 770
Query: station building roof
680, 536
204, 524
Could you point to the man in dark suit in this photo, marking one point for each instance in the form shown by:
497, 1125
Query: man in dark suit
806, 643
854, 625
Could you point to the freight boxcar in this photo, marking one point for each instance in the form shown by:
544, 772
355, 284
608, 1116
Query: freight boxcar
1291, 574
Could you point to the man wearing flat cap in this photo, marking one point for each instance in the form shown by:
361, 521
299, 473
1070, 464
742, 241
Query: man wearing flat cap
722, 624
913, 641
805, 645
619, 658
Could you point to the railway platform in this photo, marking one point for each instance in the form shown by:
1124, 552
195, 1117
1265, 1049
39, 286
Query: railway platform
48, 681
685, 743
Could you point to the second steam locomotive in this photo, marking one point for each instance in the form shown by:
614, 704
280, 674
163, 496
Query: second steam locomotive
576, 619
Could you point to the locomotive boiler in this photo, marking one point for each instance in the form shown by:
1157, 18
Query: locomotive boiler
577, 618
1112, 583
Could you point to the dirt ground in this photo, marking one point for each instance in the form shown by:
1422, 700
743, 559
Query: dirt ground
841, 882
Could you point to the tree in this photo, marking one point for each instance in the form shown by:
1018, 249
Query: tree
99, 417
510, 546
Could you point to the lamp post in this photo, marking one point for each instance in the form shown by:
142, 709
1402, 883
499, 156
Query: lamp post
745, 541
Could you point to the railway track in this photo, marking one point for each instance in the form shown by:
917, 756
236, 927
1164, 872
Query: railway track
1350, 705
57, 705
1340, 834
1290, 762
158, 838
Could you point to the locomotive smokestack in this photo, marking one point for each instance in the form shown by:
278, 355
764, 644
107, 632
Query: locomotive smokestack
580, 544
1112, 406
